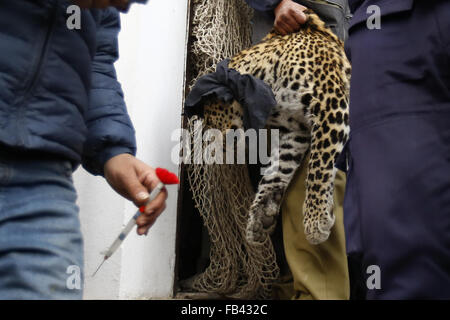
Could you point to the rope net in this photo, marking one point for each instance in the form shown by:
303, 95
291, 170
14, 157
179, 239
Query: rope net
220, 29
223, 193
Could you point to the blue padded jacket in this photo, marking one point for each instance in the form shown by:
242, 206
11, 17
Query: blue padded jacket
58, 88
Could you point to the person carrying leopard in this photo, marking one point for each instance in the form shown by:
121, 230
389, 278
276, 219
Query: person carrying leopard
319, 271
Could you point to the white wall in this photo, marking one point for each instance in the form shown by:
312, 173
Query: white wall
151, 70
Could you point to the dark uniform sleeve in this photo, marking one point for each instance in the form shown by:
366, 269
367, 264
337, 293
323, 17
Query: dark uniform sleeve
263, 5
110, 131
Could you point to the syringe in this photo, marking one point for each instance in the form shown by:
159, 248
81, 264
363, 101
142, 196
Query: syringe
165, 177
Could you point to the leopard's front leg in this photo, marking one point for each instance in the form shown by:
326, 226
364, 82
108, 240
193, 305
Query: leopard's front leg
265, 208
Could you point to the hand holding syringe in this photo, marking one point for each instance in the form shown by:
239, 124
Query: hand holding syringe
166, 178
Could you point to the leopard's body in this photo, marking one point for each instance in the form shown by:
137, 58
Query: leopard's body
309, 75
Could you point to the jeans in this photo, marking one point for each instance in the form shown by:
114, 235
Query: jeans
41, 247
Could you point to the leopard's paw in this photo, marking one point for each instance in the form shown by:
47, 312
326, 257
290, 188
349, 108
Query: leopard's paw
318, 222
262, 221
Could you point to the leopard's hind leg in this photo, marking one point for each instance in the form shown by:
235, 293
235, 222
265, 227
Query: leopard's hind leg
264, 210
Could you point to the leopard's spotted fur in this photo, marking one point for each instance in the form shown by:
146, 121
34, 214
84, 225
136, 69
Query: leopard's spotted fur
309, 75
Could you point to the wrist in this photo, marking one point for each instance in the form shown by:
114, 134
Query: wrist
118, 157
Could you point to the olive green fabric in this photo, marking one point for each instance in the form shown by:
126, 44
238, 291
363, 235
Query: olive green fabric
318, 271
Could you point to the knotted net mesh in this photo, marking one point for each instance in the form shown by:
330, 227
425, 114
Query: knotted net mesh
220, 29
223, 193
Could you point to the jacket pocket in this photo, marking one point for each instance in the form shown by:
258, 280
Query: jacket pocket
341, 4
335, 14
42, 48
352, 212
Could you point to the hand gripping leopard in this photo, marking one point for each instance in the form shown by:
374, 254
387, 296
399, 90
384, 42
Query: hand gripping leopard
309, 76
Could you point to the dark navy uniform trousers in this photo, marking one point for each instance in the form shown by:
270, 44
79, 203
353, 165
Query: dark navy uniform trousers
397, 203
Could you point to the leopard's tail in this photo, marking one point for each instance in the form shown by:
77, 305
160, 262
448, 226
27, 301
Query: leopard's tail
328, 136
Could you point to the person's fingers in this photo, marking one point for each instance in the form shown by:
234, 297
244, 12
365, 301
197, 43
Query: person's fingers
135, 190
157, 203
279, 26
145, 222
144, 229
149, 179
282, 31
291, 21
289, 16
283, 28
145, 219
299, 16
133, 179
153, 209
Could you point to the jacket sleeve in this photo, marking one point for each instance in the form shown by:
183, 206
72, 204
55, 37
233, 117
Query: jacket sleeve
263, 5
110, 131
127, 6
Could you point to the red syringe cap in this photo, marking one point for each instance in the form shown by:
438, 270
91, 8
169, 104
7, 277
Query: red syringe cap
167, 177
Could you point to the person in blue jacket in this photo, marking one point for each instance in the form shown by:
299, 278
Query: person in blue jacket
397, 203
60, 105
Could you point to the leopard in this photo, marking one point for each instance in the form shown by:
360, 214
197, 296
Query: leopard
309, 75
